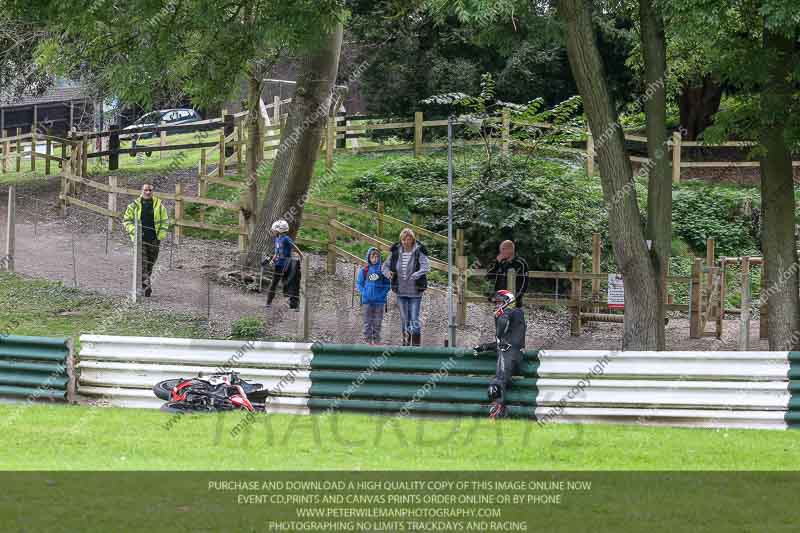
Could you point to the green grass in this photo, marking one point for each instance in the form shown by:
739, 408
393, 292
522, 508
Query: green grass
91, 438
41, 307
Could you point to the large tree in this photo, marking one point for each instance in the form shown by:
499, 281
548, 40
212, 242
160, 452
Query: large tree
659, 190
755, 48
644, 325
300, 141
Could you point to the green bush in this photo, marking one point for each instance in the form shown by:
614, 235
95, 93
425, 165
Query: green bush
548, 209
725, 214
247, 327
406, 185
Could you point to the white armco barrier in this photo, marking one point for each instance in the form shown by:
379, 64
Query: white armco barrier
734, 366
121, 371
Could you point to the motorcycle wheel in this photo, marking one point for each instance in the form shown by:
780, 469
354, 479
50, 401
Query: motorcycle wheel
163, 389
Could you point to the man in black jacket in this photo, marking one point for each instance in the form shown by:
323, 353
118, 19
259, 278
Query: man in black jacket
509, 343
497, 274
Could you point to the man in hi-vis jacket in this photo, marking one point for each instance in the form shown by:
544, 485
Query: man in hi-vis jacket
154, 221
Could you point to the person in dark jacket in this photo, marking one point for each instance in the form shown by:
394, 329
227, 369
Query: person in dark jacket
497, 275
407, 268
373, 287
509, 343
287, 268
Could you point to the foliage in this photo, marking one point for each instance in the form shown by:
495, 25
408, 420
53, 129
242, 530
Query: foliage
543, 206
195, 47
724, 214
248, 327
416, 184
521, 44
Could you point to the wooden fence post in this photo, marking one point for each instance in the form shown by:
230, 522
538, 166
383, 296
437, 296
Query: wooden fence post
276, 112
331, 259
6, 152
221, 167
227, 130
178, 212
418, 122
589, 153
240, 147
676, 157
505, 133
19, 149
577, 295
695, 296
10, 228
33, 150
710, 256
242, 236
461, 312
48, 151
723, 263
137, 262
744, 321
113, 147
112, 201
330, 142
202, 183
595, 269
85, 156
763, 324
511, 281
305, 309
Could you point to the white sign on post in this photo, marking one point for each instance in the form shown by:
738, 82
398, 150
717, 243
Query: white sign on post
616, 292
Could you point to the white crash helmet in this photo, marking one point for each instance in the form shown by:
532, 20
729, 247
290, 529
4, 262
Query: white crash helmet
280, 226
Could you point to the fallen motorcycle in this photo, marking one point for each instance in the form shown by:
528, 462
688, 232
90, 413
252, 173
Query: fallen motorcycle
217, 392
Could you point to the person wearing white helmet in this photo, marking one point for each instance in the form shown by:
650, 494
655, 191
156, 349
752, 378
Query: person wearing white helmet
287, 268
509, 343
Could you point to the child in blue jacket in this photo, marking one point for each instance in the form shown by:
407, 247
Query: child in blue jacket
373, 287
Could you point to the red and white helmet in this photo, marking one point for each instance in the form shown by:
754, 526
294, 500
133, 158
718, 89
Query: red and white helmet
503, 299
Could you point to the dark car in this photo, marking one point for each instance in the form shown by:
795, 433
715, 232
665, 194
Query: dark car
163, 117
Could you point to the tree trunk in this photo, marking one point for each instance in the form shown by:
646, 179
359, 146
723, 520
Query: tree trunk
659, 195
255, 141
777, 198
300, 142
698, 104
642, 321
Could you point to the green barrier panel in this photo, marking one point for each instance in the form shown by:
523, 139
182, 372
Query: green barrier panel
49, 368
413, 379
364, 349
463, 409
32, 392
435, 392
51, 381
414, 364
792, 416
34, 367
37, 348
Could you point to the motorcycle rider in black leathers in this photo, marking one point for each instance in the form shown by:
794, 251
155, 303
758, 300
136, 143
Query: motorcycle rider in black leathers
509, 322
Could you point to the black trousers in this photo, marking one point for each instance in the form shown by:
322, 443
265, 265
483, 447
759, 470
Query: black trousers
508, 364
291, 284
149, 257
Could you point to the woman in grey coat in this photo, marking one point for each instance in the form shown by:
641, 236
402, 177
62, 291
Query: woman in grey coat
407, 268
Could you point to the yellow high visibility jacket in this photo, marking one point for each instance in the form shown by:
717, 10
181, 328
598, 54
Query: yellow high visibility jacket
134, 212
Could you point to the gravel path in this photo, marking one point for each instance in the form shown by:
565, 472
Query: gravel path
186, 280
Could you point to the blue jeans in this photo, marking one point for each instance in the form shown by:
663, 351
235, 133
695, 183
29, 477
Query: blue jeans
409, 313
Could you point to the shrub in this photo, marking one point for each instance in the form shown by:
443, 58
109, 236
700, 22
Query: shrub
548, 209
247, 327
722, 213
